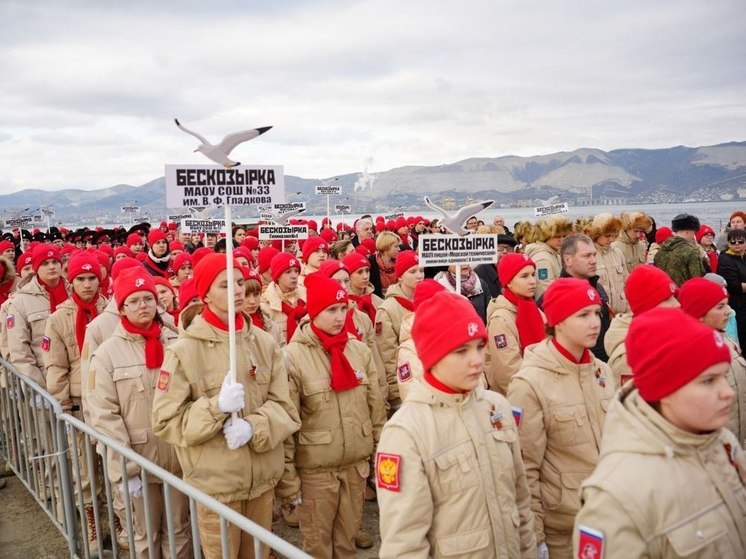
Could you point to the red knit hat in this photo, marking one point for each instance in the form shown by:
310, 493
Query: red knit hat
312, 245
663, 233
243, 252
24, 260
208, 269
42, 253
330, 267
699, 295
363, 250
83, 263
68, 250
313, 225
103, 259
133, 238
281, 262
704, 230
141, 256
265, 258
156, 235
401, 221
123, 264
510, 264
106, 249
354, 261
434, 337
370, 244
426, 289
252, 243
667, 348
123, 250
175, 245
187, 292
130, 281
249, 274
181, 259
647, 287
6, 245
404, 261
199, 254
328, 235
322, 293
160, 280
566, 296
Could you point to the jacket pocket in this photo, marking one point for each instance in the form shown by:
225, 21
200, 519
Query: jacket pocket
500, 441
571, 426
464, 543
571, 483
367, 428
128, 382
138, 436
698, 533
456, 471
315, 437
317, 395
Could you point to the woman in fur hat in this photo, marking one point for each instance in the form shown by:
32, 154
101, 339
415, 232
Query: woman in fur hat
546, 238
611, 269
629, 242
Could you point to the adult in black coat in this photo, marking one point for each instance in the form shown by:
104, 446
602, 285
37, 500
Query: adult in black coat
732, 266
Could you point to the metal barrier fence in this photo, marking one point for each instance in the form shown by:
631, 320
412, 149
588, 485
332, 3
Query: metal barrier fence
49, 449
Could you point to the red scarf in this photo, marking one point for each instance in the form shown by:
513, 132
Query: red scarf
406, 303
343, 376
105, 286
257, 319
528, 319
57, 295
153, 345
294, 314
435, 383
86, 313
5, 288
175, 315
387, 275
365, 304
350, 324
214, 320
712, 257
584, 359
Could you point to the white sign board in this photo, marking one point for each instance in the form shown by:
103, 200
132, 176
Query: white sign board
451, 250
342, 208
143, 219
130, 209
16, 222
543, 211
282, 232
328, 189
202, 225
392, 217
179, 217
212, 185
289, 207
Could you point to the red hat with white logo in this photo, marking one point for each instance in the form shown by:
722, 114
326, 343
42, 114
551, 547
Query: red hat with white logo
404, 261
698, 295
281, 262
131, 281
331, 267
208, 268
354, 261
647, 287
83, 263
566, 296
42, 253
312, 245
322, 293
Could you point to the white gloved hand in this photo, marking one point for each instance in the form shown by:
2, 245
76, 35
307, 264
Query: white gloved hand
133, 486
542, 551
297, 501
231, 397
237, 432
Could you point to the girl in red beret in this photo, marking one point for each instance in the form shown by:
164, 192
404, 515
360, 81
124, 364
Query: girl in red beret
158, 255
563, 392
284, 300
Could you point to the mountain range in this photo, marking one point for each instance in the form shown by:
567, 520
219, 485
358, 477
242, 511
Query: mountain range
637, 175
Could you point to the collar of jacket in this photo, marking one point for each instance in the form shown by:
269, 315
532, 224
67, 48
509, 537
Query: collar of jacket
593, 280
422, 392
199, 329
545, 356
275, 297
395, 290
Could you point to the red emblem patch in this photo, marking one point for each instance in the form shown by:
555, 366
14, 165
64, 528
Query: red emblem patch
379, 328
387, 471
405, 372
164, 379
501, 341
46, 343
10, 321
591, 544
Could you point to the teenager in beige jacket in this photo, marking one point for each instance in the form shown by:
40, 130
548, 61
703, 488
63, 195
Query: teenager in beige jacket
238, 461
629, 242
563, 393
284, 299
670, 479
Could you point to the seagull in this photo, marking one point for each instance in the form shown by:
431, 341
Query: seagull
455, 223
548, 202
282, 219
219, 153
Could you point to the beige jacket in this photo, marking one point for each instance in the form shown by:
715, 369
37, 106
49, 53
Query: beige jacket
548, 265
62, 359
28, 317
503, 346
271, 304
663, 493
612, 274
338, 429
737, 380
388, 325
365, 329
633, 252
4, 310
186, 412
563, 407
460, 486
408, 364
616, 350
120, 393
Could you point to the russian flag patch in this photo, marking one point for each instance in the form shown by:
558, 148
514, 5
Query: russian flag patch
10, 321
517, 415
591, 543
46, 343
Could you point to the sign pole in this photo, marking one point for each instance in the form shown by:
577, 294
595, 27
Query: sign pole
329, 221
458, 278
231, 296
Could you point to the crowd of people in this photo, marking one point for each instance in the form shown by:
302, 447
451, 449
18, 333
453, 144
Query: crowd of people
559, 403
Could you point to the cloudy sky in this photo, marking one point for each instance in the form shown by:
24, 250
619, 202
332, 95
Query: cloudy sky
89, 90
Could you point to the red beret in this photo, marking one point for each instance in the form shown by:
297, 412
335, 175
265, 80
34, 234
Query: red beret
83, 263
647, 287
322, 292
404, 261
131, 281
510, 264
698, 295
566, 296
282, 261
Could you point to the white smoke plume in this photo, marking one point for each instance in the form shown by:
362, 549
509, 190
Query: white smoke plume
366, 179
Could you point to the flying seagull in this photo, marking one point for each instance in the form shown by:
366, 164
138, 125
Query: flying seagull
549, 201
455, 223
282, 219
219, 153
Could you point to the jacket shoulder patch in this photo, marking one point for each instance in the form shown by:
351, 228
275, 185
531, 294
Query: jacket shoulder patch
501, 341
10, 321
387, 471
590, 544
542, 273
405, 372
46, 343
379, 328
164, 380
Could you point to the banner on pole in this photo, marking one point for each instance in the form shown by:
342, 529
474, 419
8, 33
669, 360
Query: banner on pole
452, 250
178, 217
212, 185
328, 189
17, 221
342, 208
283, 232
130, 209
543, 211
392, 217
203, 225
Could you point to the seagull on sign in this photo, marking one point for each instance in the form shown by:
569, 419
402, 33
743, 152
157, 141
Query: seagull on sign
219, 152
282, 219
455, 223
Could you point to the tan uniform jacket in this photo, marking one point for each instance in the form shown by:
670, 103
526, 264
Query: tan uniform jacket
503, 346
4, 311
660, 492
29, 311
615, 348
612, 274
272, 305
548, 265
462, 487
408, 364
633, 252
365, 329
563, 407
388, 324
186, 414
338, 429
120, 397
62, 359
737, 380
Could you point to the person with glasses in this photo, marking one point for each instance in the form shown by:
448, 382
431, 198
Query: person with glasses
732, 266
679, 256
123, 376
629, 241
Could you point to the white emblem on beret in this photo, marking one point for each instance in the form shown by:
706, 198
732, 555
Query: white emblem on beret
50, 254
139, 282
87, 267
472, 328
672, 287
719, 342
725, 292
340, 294
292, 262
592, 294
